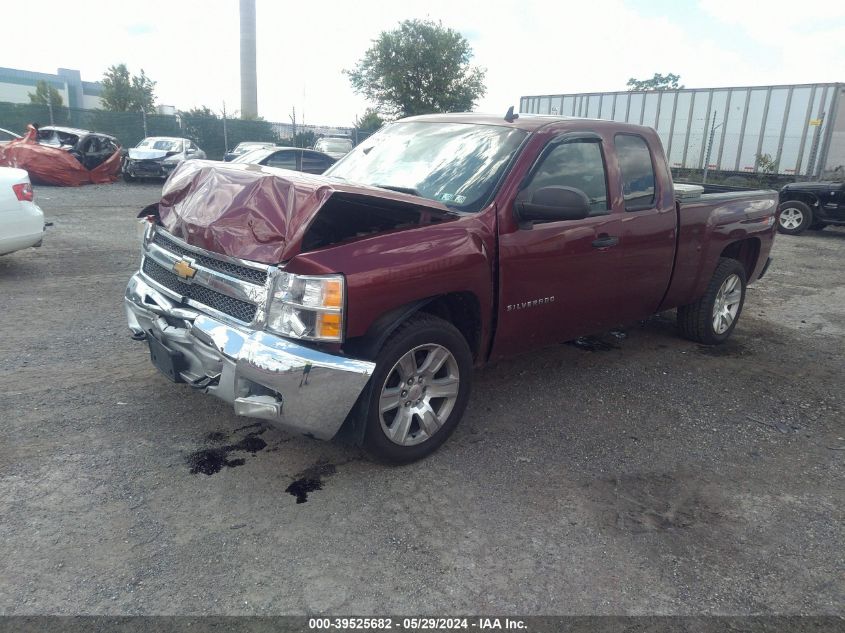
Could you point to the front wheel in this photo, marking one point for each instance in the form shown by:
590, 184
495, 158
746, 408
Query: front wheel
712, 318
419, 390
794, 217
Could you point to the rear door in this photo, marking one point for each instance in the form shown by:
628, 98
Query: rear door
558, 279
646, 248
315, 162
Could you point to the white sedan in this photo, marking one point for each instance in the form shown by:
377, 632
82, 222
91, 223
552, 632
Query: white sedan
21, 221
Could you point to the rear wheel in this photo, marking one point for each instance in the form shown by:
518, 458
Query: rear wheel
712, 318
794, 217
419, 390
128, 177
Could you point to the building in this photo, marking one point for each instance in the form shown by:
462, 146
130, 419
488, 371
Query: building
796, 130
15, 86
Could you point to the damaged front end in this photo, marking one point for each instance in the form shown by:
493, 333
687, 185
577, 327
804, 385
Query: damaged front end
220, 311
51, 165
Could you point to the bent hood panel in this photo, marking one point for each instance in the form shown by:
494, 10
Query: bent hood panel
257, 213
146, 154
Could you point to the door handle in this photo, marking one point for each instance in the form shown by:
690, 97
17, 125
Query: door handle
605, 240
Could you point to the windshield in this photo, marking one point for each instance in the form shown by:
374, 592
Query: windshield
334, 145
168, 145
457, 164
243, 148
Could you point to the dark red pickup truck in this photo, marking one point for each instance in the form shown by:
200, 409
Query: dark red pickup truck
363, 298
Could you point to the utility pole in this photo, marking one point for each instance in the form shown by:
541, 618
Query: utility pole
225, 135
50, 106
710, 147
144, 121
293, 122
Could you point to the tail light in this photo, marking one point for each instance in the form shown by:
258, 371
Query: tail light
23, 191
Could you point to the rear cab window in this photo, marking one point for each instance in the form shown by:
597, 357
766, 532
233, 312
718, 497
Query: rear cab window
637, 169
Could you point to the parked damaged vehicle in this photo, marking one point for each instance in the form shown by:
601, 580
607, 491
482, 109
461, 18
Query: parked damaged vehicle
293, 158
811, 205
244, 148
335, 146
56, 155
360, 301
158, 156
21, 221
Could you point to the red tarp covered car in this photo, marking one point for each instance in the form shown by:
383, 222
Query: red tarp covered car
64, 156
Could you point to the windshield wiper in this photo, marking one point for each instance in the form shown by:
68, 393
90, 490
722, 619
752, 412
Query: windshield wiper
409, 190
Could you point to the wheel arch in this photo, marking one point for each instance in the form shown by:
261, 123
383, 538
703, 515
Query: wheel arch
747, 252
810, 199
461, 309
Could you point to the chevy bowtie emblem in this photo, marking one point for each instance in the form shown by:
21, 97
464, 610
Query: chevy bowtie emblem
184, 269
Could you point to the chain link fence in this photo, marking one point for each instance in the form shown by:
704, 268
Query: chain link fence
214, 135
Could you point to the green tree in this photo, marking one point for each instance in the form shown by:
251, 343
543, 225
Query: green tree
202, 111
43, 92
658, 82
418, 68
369, 122
124, 92
766, 164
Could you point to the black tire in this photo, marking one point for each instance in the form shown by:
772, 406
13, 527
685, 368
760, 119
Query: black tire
419, 330
792, 207
695, 321
128, 178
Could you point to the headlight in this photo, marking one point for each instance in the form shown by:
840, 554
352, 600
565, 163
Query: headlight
307, 307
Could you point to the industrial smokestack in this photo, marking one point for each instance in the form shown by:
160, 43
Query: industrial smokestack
249, 78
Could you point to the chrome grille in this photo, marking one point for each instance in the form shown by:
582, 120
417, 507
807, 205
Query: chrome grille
240, 310
258, 277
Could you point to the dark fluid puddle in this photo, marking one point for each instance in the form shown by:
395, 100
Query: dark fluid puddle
593, 344
213, 460
310, 480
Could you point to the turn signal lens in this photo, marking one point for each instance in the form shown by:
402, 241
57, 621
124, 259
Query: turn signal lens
333, 293
328, 325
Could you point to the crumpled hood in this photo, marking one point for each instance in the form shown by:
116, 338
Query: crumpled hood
261, 214
146, 154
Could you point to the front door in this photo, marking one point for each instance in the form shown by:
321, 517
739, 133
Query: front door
559, 279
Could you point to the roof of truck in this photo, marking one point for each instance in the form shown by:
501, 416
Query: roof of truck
527, 122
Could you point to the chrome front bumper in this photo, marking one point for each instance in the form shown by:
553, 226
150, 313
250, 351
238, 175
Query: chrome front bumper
263, 376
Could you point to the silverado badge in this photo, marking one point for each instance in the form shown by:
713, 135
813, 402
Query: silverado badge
184, 269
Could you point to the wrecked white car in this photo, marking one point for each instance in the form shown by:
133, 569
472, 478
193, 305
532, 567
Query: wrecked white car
157, 157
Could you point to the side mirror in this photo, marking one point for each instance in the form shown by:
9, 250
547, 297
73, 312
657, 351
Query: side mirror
551, 204
190, 151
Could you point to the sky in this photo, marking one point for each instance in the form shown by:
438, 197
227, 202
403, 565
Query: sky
191, 49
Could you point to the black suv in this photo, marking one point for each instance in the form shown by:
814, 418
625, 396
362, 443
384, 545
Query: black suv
811, 205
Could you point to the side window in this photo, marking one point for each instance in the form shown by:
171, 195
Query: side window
282, 160
638, 181
314, 163
577, 164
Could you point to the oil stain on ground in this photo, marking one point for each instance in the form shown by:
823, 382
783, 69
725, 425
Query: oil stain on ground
310, 480
212, 460
601, 343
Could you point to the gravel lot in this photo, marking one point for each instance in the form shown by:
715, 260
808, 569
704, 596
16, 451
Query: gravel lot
643, 475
